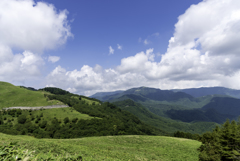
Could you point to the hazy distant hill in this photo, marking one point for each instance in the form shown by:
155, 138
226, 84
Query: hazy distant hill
224, 105
144, 93
199, 92
100, 95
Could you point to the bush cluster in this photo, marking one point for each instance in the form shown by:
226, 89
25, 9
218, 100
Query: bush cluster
223, 143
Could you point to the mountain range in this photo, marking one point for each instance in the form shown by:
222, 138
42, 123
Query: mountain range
193, 106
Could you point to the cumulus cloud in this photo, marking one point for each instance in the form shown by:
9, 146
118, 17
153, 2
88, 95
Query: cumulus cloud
89, 80
53, 59
111, 50
19, 66
30, 28
205, 42
119, 47
204, 51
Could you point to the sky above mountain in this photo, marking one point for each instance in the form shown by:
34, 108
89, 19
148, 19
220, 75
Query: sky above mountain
94, 46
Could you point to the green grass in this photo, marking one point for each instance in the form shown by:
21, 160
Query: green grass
110, 148
90, 102
61, 113
49, 114
11, 96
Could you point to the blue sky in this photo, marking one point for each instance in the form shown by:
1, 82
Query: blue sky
93, 46
99, 24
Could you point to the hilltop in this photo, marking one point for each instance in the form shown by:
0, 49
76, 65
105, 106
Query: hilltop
11, 96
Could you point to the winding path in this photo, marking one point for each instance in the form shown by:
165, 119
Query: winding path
37, 108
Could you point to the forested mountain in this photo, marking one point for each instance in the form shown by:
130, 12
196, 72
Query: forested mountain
180, 106
224, 105
163, 123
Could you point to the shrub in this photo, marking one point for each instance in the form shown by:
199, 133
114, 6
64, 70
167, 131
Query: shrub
22, 119
74, 120
43, 124
66, 120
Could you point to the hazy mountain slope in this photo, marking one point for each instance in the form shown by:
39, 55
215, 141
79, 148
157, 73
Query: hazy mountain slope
100, 95
153, 97
224, 105
210, 115
199, 92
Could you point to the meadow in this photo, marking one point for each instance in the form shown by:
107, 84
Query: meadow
49, 114
112, 148
11, 96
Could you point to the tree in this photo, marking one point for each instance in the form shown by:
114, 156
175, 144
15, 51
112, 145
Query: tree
22, 119
66, 120
43, 124
223, 143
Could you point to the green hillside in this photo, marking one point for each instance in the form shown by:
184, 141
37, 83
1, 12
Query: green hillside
111, 148
163, 123
11, 96
86, 117
39, 116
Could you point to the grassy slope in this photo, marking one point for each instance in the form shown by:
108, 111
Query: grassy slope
11, 96
113, 147
49, 114
88, 101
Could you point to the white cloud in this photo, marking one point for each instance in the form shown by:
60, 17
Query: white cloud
205, 42
119, 47
20, 66
30, 28
111, 50
53, 59
155, 34
146, 42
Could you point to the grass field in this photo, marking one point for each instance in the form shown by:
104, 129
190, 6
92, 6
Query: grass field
49, 114
90, 102
11, 96
113, 148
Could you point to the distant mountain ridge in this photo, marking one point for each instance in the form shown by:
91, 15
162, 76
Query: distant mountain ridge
147, 93
203, 91
210, 104
194, 92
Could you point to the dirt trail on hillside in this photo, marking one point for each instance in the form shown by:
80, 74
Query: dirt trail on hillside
37, 108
